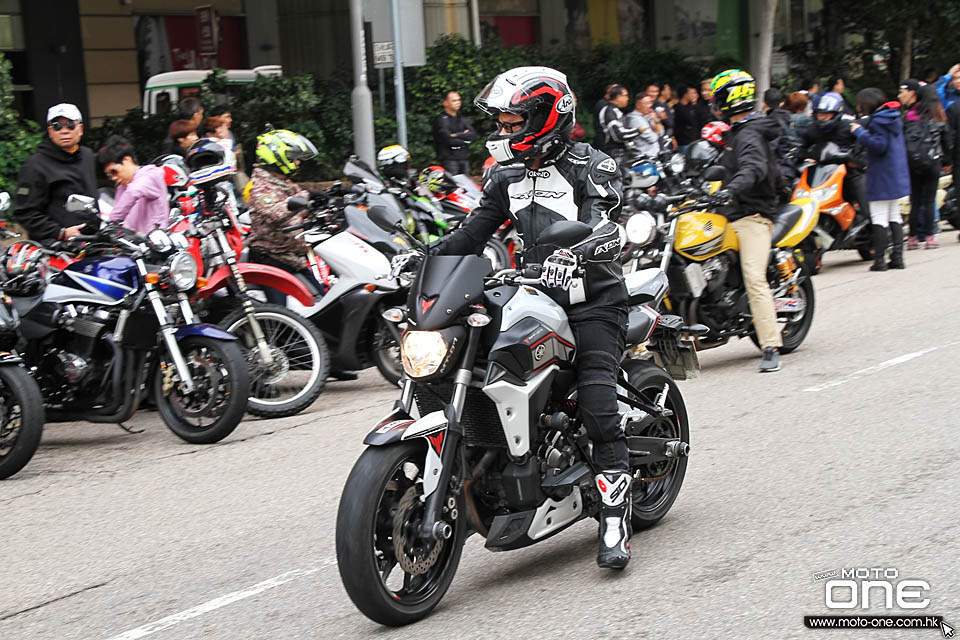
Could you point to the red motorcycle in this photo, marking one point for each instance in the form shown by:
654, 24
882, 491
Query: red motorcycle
285, 352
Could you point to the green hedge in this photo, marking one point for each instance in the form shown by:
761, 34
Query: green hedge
18, 138
321, 108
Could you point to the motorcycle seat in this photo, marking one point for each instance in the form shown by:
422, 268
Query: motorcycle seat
646, 285
640, 323
787, 217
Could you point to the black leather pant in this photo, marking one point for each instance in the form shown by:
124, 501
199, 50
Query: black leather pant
601, 337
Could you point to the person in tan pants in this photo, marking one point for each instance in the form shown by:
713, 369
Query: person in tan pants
751, 195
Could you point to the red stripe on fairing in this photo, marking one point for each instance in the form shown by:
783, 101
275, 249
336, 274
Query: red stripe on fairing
436, 441
551, 335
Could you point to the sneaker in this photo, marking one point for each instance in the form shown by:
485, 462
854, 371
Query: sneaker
912, 243
771, 360
932, 243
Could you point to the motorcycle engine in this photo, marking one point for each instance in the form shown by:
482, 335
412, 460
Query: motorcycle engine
715, 273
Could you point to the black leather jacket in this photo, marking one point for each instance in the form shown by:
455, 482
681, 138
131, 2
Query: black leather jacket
581, 184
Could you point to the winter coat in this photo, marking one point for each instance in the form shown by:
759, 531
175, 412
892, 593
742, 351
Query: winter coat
888, 176
753, 173
916, 127
269, 215
46, 179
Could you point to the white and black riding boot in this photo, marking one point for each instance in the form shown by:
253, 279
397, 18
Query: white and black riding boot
615, 511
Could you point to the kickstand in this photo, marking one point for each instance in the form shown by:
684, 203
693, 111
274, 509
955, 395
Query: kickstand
128, 429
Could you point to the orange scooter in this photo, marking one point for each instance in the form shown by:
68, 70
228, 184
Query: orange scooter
842, 225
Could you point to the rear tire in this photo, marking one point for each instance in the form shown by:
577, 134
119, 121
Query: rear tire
223, 384
386, 354
299, 350
366, 522
796, 329
21, 419
655, 487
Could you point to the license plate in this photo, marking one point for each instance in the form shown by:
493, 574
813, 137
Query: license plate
788, 304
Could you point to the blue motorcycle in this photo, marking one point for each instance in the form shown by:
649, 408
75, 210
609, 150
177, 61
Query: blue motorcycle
117, 321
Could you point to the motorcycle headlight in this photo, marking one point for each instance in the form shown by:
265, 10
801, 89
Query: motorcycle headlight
677, 163
422, 352
640, 228
822, 195
801, 193
182, 271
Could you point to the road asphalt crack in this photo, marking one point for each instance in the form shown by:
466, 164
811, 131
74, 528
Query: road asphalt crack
7, 616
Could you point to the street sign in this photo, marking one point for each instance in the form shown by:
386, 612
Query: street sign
383, 54
208, 32
379, 15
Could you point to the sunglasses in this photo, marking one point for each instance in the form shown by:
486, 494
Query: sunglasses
510, 127
57, 125
113, 173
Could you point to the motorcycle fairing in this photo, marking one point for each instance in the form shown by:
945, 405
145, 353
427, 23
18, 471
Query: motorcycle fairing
259, 274
528, 347
641, 322
203, 329
390, 428
522, 528
701, 235
99, 280
447, 285
519, 407
794, 222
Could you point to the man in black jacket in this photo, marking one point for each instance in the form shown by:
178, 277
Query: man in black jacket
541, 178
753, 177
451, 136
59, 168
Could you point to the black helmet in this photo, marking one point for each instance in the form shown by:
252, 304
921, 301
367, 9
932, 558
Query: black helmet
543, 97
24, 269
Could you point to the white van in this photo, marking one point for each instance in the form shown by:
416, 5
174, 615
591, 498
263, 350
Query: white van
165, 90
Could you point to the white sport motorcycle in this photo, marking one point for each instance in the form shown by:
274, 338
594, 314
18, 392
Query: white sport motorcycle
486, 437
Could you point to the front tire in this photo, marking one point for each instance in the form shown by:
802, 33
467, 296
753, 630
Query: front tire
221, 385
301, 360
655, 487
21, 419
381, 499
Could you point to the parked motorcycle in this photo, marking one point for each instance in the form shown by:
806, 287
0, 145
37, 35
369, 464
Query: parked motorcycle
840, 225
700, 250
487, 438
21, 405
117, 317
346, 254
286, 354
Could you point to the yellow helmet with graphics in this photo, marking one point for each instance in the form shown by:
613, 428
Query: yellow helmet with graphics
733, 91
280, 149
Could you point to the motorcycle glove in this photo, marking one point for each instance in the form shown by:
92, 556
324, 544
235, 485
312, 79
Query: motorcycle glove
559, 269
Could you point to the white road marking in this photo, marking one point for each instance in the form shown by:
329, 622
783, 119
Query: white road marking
886, 364
217, 603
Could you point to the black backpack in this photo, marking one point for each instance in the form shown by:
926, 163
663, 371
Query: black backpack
923, 146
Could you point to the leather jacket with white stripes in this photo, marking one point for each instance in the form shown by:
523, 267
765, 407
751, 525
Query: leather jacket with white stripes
616, 134
580, 184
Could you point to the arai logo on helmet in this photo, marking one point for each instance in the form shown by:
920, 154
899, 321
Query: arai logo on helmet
565, 104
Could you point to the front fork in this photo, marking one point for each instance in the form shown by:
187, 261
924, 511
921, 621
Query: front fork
167, 330
434, 527
249, 310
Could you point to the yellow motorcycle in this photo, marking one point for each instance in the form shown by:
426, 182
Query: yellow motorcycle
699, 252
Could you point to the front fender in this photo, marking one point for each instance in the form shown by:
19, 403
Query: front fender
203, 329
263, 275
7, 357
400, 426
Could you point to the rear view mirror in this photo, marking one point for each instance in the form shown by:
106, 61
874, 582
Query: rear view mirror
77, 203
381, 217
564, 233
715, 174
295, 204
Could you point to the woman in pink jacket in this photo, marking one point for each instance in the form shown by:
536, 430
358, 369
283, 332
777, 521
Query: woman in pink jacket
141, 202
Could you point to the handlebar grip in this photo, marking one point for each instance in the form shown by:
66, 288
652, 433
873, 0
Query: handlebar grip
532, 271
297, 227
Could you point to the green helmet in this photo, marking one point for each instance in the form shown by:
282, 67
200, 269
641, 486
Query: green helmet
280, 148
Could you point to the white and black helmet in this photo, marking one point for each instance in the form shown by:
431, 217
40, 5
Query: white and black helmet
543, 98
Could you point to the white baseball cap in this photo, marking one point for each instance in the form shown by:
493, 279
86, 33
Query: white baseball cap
64, 110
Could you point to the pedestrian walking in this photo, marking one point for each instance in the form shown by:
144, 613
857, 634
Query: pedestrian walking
140, 202
928, 143
451, 136
887, 174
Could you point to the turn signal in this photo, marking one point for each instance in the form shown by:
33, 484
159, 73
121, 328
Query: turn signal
478, 320
152, 277
201, 283
394, 315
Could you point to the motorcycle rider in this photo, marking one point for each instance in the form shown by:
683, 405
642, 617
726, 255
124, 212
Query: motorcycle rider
542, 177
751, 187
